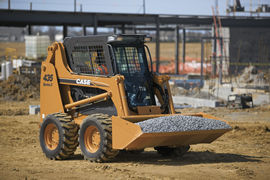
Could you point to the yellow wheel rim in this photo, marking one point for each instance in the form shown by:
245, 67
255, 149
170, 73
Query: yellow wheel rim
92, 139
51, 136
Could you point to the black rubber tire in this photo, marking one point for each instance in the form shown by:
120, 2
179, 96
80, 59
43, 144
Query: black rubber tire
105, 152
172, 151
68, 136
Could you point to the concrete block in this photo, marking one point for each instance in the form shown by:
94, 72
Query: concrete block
195, 102
34, 109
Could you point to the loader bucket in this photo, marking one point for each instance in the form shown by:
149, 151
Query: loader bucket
128, 134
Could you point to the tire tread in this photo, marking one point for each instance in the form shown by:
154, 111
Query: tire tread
107, 153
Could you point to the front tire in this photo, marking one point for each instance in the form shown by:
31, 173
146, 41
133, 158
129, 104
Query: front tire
58, 136
95, 138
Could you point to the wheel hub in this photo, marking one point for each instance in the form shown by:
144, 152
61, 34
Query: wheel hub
51, 136
92, 139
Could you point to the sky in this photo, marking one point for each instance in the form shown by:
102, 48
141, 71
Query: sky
198, 7
186, 7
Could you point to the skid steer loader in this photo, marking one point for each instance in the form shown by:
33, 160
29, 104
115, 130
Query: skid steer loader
96, 90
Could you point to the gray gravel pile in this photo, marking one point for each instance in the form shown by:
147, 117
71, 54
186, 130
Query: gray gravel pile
180, 123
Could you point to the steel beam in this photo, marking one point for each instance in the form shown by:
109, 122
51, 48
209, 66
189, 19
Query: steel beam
84, 30
220, 75
147, 28
177, 49
214, 60
95, 20
75, 8
202, 58
29, 29
134, 30
65, 31
21, 18
184, 46
157, 45
123, 29
221, 57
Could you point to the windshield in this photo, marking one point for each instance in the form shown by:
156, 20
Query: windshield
130, 60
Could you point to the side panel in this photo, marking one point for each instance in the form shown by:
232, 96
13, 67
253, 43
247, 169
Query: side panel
163, 82
50, 98
67, 78
124, 132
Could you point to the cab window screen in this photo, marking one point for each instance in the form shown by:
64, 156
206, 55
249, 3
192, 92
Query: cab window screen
89, 60
130, 60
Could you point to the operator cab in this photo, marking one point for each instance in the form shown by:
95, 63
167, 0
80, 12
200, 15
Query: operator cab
111, 55
130, 60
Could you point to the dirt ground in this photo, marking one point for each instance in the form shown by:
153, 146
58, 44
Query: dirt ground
243, 153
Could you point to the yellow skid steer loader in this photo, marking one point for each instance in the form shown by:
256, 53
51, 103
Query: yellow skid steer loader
99, 92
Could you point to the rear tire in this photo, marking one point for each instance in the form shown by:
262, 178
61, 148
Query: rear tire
95, 138
172, 151
58, 136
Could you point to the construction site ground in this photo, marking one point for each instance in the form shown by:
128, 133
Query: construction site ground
242, 153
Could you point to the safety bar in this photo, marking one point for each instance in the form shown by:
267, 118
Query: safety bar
88, 100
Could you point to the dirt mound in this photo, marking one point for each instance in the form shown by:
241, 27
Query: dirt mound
251, 75
192, 92
19, 88
15, 112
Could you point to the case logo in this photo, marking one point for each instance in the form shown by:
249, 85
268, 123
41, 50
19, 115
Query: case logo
83, 81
